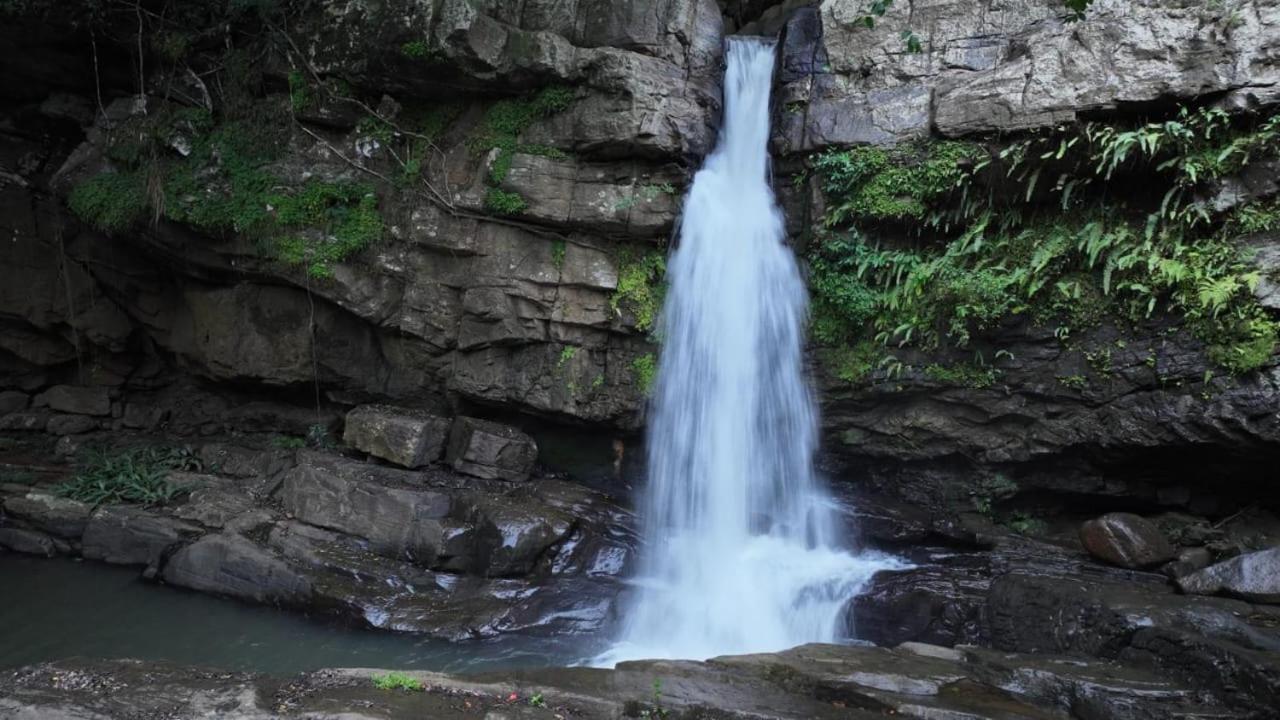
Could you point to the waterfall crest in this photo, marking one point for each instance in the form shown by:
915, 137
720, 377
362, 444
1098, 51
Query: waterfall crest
741, 549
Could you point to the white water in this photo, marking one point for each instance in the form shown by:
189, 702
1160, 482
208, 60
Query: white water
741, 547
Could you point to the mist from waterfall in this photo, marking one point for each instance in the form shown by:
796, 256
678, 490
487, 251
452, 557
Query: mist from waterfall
741, 541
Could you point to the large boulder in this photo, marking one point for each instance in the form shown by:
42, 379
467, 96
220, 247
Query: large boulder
1255, 576
29, 542
378, 504
233, 565
491, 450
55, 515
77, 400
409, 438
1126, 540
128, 535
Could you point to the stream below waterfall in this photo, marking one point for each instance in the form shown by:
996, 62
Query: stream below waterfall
59, 609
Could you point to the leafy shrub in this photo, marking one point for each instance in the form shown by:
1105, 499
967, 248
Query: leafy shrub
138, 475
398, 681
641, 285
645, 368
110, 202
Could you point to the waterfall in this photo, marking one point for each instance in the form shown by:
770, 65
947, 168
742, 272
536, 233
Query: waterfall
741, 546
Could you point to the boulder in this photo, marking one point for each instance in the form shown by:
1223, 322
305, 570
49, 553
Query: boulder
128, 535
1126, 540
57, 516
76, 400
409, 438
12, 401
1188, 561
27, 541
490, 450
235, 566
1255, 576
70, 425
359, 499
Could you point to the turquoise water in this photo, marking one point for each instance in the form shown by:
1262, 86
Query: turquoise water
56, 609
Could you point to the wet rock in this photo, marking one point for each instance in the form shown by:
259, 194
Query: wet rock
1188, 561
27, 541
408, 438
237, 567
1255, 576
77, 400
58, 516
128, 535
1126, 540
12, 401
378, 504
490, 450
70, 425
512, 534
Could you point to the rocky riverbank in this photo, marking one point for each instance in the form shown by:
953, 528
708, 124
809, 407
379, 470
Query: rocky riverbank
813, 681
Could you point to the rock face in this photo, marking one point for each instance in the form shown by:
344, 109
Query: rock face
1255, 576
407, 438
490, 450
1126, 540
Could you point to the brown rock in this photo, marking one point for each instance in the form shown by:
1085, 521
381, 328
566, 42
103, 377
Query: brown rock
1126, 540
409, 438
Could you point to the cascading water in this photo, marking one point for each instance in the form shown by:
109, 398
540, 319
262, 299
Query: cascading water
740, 551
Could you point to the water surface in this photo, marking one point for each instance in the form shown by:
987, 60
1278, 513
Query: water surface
57, 609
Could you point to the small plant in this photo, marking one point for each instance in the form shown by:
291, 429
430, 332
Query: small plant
288, 442
110, 202
299, 93
566, 355
558, 250
318, 437
641, 286
645, 369
656, 711
398, 681
1075, 382
415, 50
537, 700
137, 475
501, 202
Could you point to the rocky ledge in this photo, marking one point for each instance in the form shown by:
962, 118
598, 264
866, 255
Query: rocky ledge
452, 553
813, 681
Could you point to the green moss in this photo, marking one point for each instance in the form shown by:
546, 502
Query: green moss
1245, 347
328, 223
300, 96
416, 50
501, 202
641, 285
111, 202
500, 130
901, 183
968, 375
645, 370
852, 363
558, 249
1075, 382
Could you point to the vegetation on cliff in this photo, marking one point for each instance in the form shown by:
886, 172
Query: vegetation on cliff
1032, 231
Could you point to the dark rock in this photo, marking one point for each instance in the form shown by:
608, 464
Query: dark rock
1255, 576
490, 450
215, 504
25, 420
378, 504
408, 438
235, 566
1126, 540
1188, 561
142, 416
27, 541
76, 400
70, 425
127, 535
12, 401
58, 516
